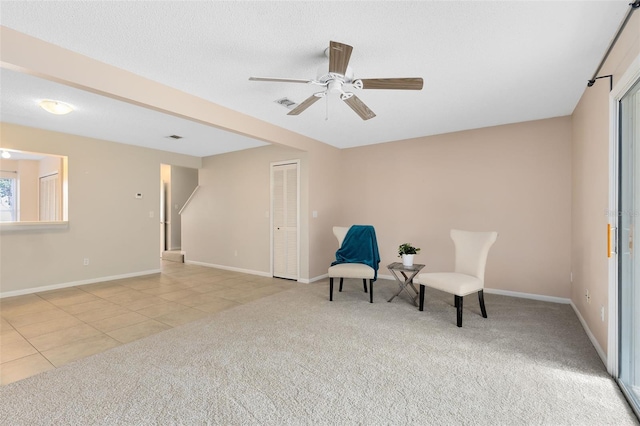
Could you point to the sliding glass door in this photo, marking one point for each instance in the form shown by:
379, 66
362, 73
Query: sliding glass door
629, 245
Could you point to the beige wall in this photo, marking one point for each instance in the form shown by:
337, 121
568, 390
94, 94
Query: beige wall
325, 187
590, 182
107, 224
228, 213
514, 179
29, 188
50, 165
183, 181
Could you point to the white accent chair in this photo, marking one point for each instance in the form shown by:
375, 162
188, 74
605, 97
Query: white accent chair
350, 270
472, 249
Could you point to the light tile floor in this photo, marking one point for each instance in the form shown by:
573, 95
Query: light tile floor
42, 331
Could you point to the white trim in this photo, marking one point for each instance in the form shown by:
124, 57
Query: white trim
627, 80
612, 264
77, 283
186, 203
594, 342
622, 86
386, 277
322, 277
541, 297
228, 268
314, 279
32, 226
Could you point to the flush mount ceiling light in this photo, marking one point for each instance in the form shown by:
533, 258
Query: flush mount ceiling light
5, 154
55, 107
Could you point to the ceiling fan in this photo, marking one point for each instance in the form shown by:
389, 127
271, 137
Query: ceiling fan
340, 76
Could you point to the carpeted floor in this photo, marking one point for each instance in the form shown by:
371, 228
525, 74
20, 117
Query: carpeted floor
296, 358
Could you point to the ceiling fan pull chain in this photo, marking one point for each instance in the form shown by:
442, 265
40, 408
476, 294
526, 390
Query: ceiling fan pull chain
326, 117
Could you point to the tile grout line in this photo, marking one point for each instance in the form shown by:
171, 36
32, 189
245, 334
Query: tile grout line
179, 279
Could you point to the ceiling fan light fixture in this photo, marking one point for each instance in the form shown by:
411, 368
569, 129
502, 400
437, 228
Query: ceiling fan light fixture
55, 107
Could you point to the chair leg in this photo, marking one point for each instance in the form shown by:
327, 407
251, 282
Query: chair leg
341, 279
330, 289
458, 301
370, 291
364, 283
481, 299
421, 297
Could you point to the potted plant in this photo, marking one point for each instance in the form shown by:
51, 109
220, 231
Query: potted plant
406, 251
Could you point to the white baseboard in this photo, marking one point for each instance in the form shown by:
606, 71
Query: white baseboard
314, 279
532, 296
76, 283
322, 277
594, 342
386, 277
228, 268
553, 299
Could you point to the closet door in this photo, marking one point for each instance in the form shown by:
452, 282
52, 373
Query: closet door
49, 198
284, 208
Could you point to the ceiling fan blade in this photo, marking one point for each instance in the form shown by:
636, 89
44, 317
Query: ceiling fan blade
359, 107
304, 105
339, 55
392, 83
281, 80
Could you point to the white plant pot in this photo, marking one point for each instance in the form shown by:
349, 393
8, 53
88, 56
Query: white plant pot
407, 259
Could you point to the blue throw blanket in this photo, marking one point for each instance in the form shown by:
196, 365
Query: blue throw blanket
360, 246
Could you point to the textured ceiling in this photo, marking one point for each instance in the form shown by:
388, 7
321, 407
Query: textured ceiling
484, 62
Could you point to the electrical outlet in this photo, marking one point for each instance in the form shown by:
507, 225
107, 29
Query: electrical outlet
571, 276
587, 296
85, 261
602, 313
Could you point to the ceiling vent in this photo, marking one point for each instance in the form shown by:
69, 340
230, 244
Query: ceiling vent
286, 102
174, 137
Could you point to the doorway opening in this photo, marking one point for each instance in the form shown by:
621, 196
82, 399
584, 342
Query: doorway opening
176, 186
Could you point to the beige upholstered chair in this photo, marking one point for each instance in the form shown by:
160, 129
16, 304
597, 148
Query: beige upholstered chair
350, 270
472, 249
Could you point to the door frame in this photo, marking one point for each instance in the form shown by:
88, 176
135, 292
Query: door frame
272, 165
623, 85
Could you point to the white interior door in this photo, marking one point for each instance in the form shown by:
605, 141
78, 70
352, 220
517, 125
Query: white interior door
285, 219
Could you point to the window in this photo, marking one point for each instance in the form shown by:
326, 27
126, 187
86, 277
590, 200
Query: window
8, 204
